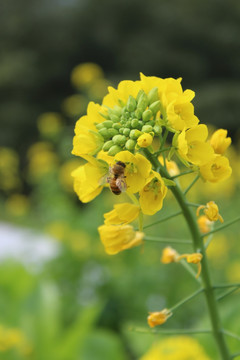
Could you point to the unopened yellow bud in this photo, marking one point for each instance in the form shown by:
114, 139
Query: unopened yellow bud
145, 140
220, 142
169, 255
204, 224
158, 317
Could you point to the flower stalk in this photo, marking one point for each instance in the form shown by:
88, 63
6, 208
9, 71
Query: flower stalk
198, 246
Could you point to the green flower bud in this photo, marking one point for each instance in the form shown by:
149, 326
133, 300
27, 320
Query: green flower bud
139, 94
122, 119
119, 139
157, 129
104, 133
131, 104
130, 144
121, 130
128, 124
112, 132
114, 118
126, 115
117, 110
105, 116
147, 128
153, 95
117, 126
138, 114
126, 131
134, 134
147, 114
155, 107
151, 122
142, 102
108, 124
107, 145
114, 150
99, 126
134, 123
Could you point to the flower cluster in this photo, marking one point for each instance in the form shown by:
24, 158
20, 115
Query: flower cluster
133, 120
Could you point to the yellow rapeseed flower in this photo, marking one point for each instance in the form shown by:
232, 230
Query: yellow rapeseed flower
204, 224
211, 211
87, 178
171, 166
158, 317
122, 214
152, 194
169, 255
192, 146
217, 169
137, 170
194, 258
116, 238
176, 348
220, 142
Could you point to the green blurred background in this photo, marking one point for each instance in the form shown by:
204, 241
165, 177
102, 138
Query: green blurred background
61, 296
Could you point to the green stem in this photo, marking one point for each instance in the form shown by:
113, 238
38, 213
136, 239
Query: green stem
171, 331
221, 286
191, 185
183, 173
222, 226
190, 297
235, 355
190, 270
193, 205
166, 240
227, 293
163, 219
198, 246
229, 333
162, 150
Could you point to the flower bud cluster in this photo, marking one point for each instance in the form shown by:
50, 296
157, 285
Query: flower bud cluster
125, 123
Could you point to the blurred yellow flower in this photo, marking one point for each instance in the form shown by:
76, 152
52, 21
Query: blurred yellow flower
50, 123
171, 166
17, 205
211, 211
176, 348
42, 159
204, 224
74, 105
152, 194
218, 169
116, 238
11, 338
158, 317
233, 271
220, 142
194, 258
169, 255
122, 214
98, 89
218, 250
192, 146
9, 169
85, 74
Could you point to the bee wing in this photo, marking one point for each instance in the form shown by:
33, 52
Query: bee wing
121, 184
105, 179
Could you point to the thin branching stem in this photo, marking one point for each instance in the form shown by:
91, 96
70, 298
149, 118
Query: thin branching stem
221, 286
167, 240
182, 174
221, 227
188, 298
229, 292
171, 331
191, 185
163, 219
229, 333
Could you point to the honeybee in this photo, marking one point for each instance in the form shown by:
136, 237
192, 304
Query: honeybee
116, 179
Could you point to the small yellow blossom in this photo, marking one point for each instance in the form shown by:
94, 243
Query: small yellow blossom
211, 211
176, 348
85, 74
218, 169
152, 194
171, 166
169, 255
50, 123
204, 224
74, 105
122, 214
220, 142
137, 170
17, 205
158, 317
192, 146
194, 258
9, 169
116, 238
144, 140
87, 178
